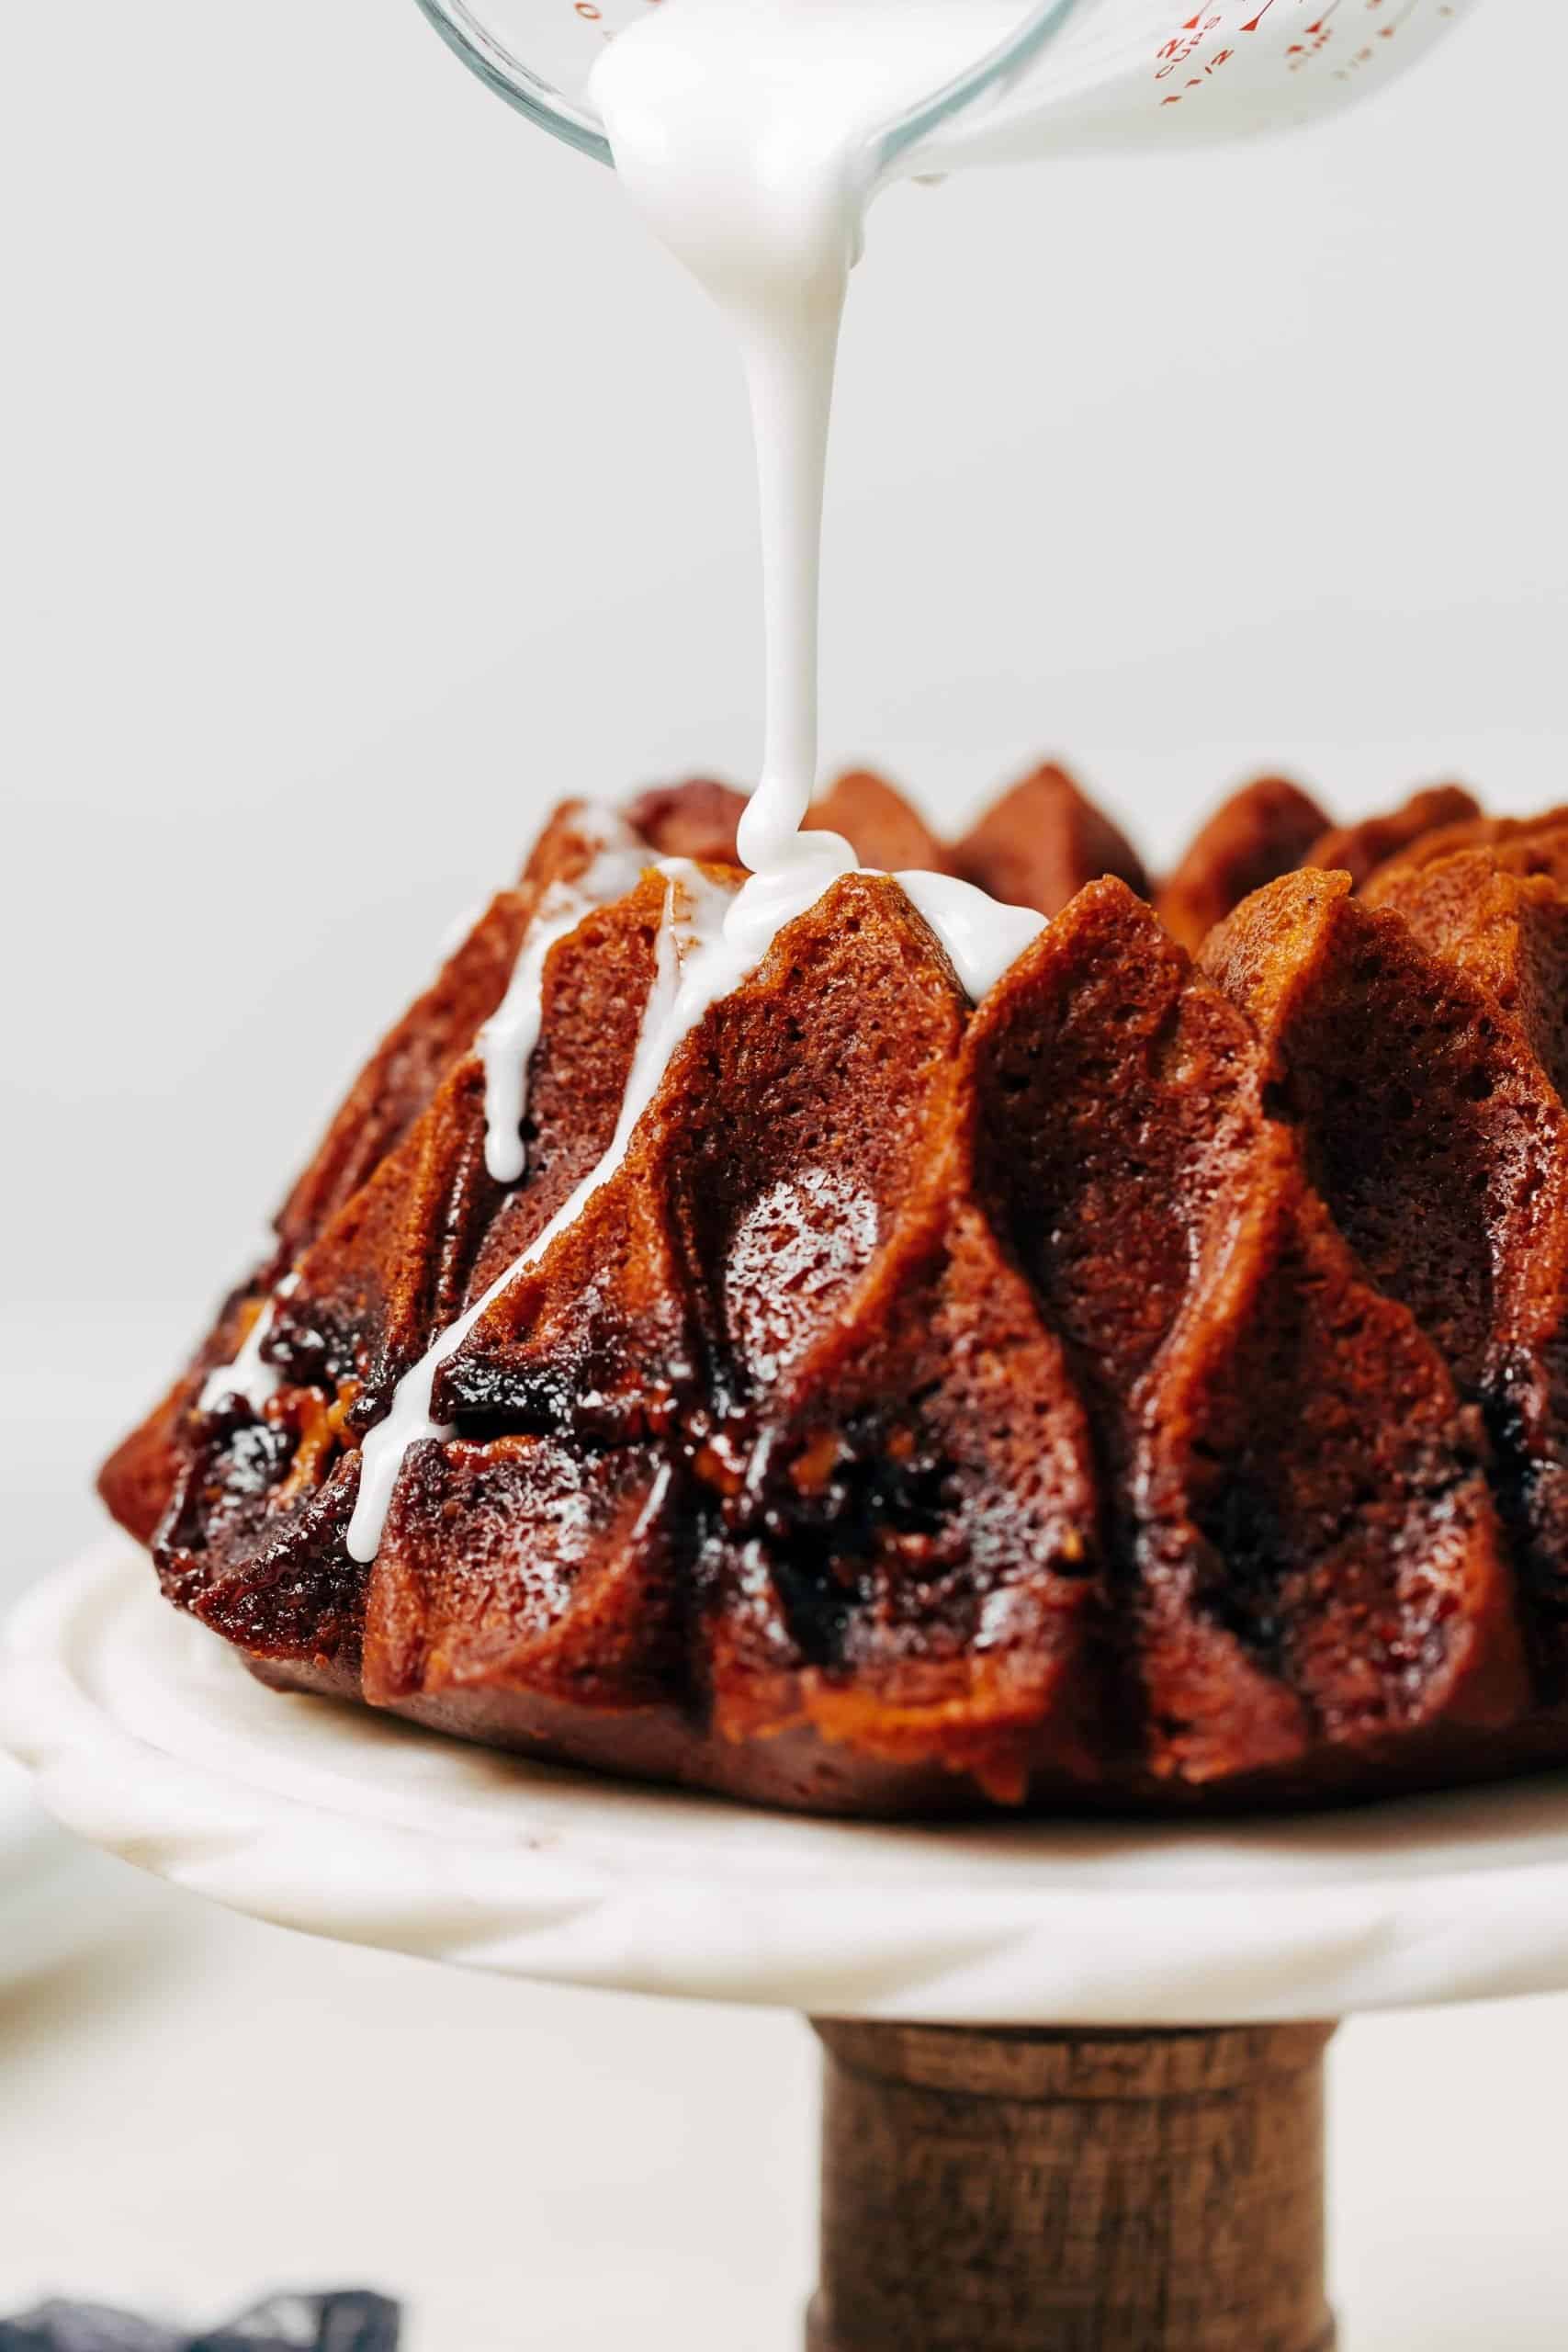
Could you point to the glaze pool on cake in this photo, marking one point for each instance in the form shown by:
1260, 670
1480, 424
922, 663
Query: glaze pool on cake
1143, 1386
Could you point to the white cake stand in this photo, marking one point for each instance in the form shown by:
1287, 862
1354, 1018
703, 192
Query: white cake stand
53, 1896
1070, 2105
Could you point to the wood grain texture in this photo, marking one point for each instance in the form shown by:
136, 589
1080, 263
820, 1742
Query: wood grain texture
1099, 2191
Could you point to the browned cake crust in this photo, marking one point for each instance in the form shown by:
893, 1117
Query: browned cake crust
1358, 850
880, 826
1266, 830
1143, 1388
1043, 842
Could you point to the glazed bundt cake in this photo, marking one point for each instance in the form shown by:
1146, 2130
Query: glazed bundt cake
1145, 1387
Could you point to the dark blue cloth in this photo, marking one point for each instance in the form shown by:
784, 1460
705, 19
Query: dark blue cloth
343, 2323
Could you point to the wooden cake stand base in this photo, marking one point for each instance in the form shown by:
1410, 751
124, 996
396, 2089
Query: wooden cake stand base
1100, 2191
1109, 2139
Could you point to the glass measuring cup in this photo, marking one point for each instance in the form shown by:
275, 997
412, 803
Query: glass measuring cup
1118, 73
562, 40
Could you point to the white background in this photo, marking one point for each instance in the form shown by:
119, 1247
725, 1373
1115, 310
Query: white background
367, 481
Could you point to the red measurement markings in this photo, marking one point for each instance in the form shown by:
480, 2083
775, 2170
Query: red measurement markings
1196, 81
1179, 48
1315, 39
1184, 45
590, 13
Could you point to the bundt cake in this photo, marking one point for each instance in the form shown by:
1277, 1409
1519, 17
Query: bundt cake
1145, 1386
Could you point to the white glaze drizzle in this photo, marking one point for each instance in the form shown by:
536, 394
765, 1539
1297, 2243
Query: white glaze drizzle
746, 146
507, 1040
506, 1045
709, 941
743, 130
249, 1379
983, 937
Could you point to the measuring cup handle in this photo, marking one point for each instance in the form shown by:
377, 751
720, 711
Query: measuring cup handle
511, 80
